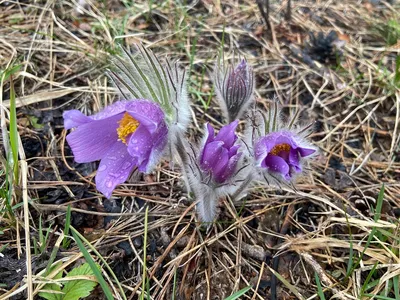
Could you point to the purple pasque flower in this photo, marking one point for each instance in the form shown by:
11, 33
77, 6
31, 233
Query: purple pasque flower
125, 135
234, 87
281, 153
220, 155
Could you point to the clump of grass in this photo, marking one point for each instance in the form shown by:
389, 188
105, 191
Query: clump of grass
389, 31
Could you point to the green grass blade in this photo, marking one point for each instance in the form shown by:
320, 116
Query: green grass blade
378, 297
291, 287
351, 258
379, 203
66, 228
397, 72
174, 285
396, 287
13, 130
5, 246
239, 293
370, 274
52, 256
73, 230
92, 264
9, 183
41, 238
319, 286
377, 215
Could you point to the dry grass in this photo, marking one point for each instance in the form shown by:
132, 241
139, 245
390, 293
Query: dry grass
323, 228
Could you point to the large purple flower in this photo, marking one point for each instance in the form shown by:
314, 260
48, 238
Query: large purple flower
219, 155
281, 152
125, 135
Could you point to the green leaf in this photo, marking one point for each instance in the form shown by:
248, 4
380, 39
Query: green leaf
93, 265
34, 122
72, 290
76, 289
52, 287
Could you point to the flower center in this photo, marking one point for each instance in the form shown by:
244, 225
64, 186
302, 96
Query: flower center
127, 126
279, 148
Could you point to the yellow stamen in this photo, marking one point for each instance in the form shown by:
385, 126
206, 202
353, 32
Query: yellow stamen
279, 148
127, 125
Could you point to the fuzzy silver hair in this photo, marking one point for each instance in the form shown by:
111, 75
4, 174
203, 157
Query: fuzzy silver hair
234, 91
200, 183
141, 75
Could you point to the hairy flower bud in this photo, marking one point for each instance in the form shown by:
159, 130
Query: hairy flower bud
234, 87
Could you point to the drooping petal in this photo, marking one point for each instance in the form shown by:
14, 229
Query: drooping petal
114, 169
92, 141
227, 134
74, 118
276, 164
305, 151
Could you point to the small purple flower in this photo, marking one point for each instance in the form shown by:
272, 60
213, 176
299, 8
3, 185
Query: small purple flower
125, 135
281, 152
234, 87
219, 155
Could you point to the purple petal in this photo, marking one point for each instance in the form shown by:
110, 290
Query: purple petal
210, 154
285, 138
294, 160
233, 150
276, 164
227, 134
264, 146
241, 66
210, 133
92, 141
305, 151
111, 110
114, 169
147, 113
230, 168
241, 70
221, 164
160, 141
140, 145
74, 118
